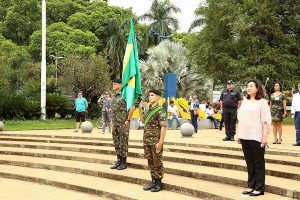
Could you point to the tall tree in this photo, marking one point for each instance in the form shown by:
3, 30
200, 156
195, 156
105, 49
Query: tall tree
171, 57
248, 39
160, 15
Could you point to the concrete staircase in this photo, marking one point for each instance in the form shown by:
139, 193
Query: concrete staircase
65, 165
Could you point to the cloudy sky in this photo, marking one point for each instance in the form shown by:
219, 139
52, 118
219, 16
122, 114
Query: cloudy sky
186, 16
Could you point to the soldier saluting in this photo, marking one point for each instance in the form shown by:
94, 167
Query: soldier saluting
120, 125
154, 133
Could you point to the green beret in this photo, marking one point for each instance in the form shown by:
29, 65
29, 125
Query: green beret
155, 91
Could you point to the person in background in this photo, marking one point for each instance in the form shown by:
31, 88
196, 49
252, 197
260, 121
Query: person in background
210, 115
194, 105
278, 111
203, 105
254, 125
230, 101
174, 114
81, 105
295, 112
105, 103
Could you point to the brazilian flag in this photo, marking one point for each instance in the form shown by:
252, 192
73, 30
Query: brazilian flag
131, 80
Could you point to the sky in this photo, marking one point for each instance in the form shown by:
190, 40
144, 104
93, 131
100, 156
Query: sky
140, 7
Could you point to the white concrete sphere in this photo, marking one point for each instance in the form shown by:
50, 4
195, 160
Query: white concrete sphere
187, 129
1, 126
87, 127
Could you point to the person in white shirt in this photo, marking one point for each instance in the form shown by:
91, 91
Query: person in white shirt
295, 112
210, 115
173, 111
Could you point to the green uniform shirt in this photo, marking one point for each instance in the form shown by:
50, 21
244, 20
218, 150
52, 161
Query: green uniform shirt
118, 110
153, 127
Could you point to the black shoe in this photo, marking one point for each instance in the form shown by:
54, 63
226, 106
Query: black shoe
297, 144
247, 192
149, 187
123, 164
254, 195
232, 138
227, 138
157, 187
116, 165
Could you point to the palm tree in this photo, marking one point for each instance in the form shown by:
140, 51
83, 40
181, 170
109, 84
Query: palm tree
118, 35
118, 32
160, 14
171, 57
200, 20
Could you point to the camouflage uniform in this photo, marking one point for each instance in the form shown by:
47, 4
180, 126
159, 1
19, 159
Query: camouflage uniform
151, 138
119, 116
106, 112
277, 107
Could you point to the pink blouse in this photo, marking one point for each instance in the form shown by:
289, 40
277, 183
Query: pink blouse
252, 116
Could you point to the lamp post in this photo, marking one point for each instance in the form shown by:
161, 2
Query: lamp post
56, 58
43, 63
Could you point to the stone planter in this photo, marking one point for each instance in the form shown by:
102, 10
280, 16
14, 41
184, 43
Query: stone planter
205, 124
1, 126
187, 130
87, 127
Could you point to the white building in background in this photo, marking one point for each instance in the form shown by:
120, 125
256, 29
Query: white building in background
107, 1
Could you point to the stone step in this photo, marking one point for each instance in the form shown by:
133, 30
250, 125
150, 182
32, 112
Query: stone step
176, 141
92, 184
290, 172
83, 174
277, 185
15, 189
270, 158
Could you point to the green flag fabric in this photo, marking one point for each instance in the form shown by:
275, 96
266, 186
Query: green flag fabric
131, 80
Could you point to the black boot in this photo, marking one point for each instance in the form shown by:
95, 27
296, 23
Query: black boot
117, 164
123, 164
149, 187
157, 187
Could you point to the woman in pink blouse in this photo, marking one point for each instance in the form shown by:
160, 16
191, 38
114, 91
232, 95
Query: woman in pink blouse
254, 125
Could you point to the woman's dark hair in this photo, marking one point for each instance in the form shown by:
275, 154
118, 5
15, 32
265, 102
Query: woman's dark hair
279, 86
260, 92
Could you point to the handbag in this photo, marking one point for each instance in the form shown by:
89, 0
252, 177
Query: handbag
196, 111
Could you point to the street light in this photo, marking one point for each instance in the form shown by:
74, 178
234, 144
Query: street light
56, 58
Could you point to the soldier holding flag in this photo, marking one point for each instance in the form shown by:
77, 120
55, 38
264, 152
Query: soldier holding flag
126, 91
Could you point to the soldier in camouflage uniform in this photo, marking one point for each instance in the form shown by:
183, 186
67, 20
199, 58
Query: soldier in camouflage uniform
120, 125
155, 120
105, 103
278, 111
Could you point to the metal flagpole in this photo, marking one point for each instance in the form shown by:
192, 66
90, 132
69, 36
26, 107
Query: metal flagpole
43, 63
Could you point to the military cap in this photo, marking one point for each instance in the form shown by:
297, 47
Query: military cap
229, 82
155, 91
117, 80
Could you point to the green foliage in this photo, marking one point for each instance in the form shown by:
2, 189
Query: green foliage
94, 111
92, 76
22, 19
171, 57
63, 40
12, 65
57, 103
248, 39
160, 14
14, 106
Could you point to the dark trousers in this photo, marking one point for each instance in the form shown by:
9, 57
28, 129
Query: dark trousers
255, 159
229, 115
155, 161
221, 122
297, 126
194, 120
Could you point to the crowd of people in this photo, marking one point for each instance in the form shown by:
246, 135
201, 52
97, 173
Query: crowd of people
255, 113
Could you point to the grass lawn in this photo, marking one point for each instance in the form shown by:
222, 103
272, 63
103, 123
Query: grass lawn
49, 124
52, 124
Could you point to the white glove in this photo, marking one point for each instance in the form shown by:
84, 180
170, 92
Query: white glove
293, 116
